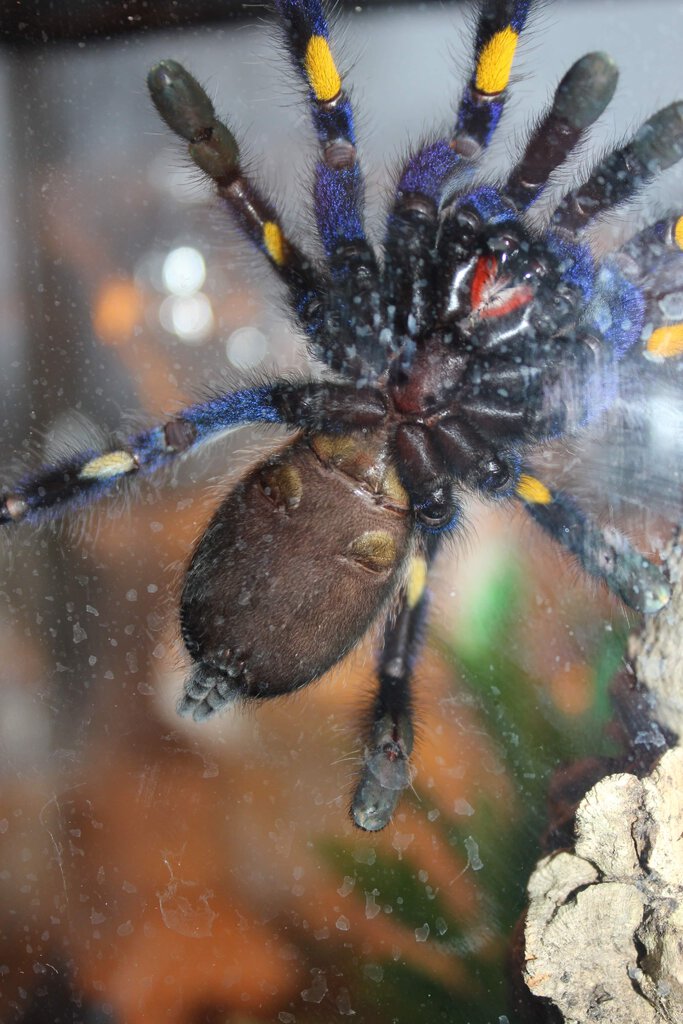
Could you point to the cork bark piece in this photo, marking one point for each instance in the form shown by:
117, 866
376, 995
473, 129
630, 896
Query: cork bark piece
604, 932
656, 653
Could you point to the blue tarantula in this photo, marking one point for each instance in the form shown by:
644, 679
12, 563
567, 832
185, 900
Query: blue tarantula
448, 357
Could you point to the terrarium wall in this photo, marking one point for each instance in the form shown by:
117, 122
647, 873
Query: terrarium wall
156, 870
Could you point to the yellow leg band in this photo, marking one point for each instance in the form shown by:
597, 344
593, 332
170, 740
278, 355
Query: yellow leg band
678, 232
321, 70
417, 580
495, 62
532, 490
104, 467
666, 341
274, 242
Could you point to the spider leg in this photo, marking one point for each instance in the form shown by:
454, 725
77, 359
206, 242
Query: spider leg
619, 298
186, 109
386, 768
339, 188
499, 27
651, 260
625, 171
87, 475
339, 326
413, 222
580, 99
602, 551
352, 312
410, 266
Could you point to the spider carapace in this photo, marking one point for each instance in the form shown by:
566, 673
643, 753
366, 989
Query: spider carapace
448, 354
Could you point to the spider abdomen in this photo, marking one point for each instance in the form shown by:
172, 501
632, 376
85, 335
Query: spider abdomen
297, 560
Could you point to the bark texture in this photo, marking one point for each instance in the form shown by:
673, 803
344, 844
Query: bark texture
604, 930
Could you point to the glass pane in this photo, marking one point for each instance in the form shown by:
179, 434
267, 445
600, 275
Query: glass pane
155, 869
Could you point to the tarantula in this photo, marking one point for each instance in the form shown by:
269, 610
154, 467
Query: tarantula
468, 341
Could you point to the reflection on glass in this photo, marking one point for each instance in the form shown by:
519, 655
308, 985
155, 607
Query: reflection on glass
155, 870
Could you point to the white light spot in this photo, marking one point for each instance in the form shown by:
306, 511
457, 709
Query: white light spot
246, 348
190, 317
184, 271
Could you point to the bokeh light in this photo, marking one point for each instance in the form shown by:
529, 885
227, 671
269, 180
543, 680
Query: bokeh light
190, 317
184, 271
246, 348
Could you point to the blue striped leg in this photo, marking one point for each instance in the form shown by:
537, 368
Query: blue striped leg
602, 551
339, 187
500, 25
413, 221
85, 476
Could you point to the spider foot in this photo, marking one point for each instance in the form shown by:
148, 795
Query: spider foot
207, 690
385, 774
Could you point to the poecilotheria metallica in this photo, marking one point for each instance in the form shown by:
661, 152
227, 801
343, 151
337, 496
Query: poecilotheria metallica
449, 355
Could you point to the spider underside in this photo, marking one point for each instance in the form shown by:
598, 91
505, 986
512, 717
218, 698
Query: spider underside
449, 357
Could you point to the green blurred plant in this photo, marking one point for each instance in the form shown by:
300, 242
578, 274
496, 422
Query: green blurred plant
533, 737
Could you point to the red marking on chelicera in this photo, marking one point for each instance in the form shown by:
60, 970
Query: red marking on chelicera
490, 297
484, 276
